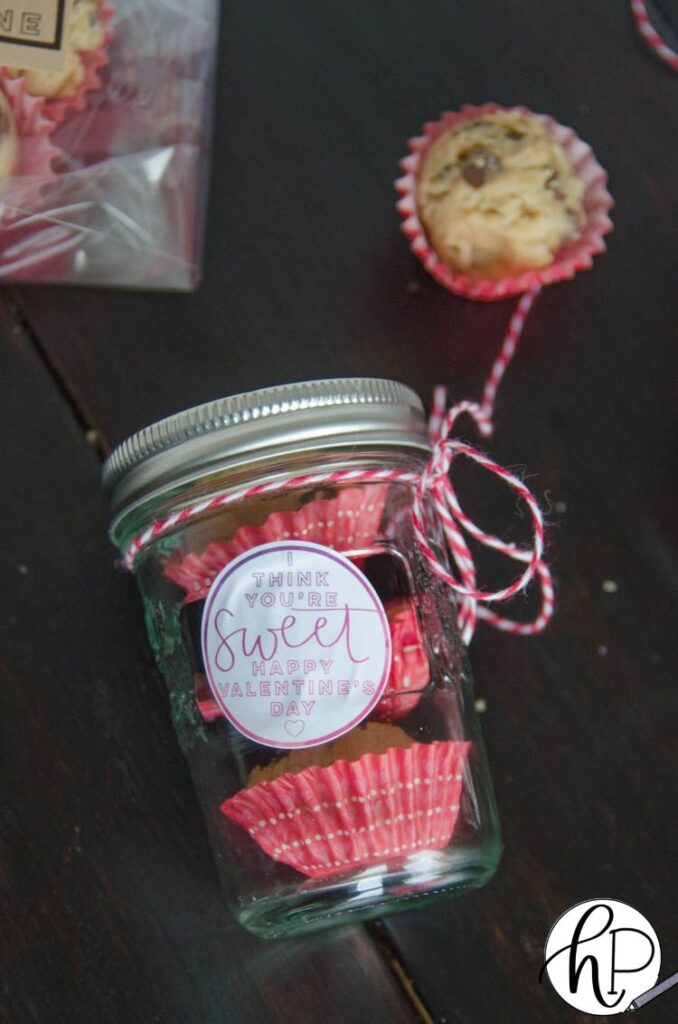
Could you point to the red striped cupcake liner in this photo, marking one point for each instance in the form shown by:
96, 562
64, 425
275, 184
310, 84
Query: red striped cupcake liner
348, 522
356, 814
578, 255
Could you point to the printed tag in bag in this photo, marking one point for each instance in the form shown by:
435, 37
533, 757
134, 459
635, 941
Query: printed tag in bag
33, 33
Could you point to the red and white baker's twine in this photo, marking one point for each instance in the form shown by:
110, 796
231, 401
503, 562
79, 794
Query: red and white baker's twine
651, 36
436, 482
434, 487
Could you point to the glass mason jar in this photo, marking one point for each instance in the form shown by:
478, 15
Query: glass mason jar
318, 683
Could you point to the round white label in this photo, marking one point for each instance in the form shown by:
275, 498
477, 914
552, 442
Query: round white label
601, 955
296, 644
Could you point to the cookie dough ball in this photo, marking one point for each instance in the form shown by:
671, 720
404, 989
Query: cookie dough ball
8, 138
87, 30
53, 85
372, 738
497, 195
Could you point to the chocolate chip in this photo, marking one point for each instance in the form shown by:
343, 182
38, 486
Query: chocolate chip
514, 135
553, 185
479, 165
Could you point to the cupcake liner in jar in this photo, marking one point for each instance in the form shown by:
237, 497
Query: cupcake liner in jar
349, 521
35, 151
577, 255
409, 664
356, 813
93, 61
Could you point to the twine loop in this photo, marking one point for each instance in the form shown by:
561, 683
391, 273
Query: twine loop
473, 602
651, 36
433, 490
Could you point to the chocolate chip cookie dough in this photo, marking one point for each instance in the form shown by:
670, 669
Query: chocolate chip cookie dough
372, 738
53, 85
497, 195
87, 29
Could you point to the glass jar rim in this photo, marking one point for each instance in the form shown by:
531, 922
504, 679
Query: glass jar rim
351, 413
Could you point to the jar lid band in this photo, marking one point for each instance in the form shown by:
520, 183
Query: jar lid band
270, 424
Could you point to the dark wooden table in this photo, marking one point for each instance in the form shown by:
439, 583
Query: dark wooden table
111, 911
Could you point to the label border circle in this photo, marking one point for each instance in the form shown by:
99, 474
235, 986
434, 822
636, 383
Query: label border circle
346, 564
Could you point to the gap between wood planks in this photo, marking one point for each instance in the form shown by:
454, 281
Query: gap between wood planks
391, 957
81, 414
94, 436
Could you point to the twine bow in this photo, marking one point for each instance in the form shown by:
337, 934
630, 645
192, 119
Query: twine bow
436, 483
432, 487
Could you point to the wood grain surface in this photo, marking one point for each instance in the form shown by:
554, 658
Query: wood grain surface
110, 905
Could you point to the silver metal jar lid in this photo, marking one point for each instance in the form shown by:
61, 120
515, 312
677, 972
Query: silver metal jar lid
348, 413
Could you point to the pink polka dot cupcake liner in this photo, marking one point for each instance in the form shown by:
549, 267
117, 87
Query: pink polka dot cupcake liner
578, 255
356, 814
348, 522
